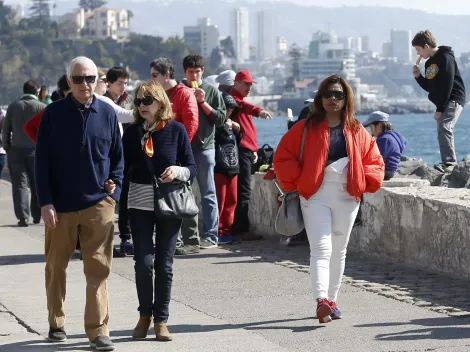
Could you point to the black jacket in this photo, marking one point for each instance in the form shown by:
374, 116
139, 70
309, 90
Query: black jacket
442, 79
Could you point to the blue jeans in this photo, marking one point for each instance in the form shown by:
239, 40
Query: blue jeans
3, 161
205, 161
154, 294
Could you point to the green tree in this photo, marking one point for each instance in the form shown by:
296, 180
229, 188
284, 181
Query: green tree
40, 10
7, 16
215, 59
92, 4
228, 48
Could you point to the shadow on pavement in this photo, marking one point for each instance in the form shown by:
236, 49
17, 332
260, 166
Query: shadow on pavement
22, 259
121, 336
433, 328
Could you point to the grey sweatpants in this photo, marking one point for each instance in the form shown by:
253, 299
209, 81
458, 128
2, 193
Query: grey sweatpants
445, 132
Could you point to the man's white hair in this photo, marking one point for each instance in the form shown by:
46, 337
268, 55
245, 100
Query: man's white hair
83, 61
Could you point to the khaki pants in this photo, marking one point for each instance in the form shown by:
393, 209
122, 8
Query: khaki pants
96, 228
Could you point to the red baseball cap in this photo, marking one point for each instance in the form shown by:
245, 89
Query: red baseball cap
244, 76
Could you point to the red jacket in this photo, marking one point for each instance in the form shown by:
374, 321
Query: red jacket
31, 127
184, 106
244, 118
366, 166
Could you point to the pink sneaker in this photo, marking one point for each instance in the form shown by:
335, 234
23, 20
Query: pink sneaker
335, 312
323, 311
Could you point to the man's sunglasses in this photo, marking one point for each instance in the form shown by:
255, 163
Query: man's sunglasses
338, 95
147, 100
80, 79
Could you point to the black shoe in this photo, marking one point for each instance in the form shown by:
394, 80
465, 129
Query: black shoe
126, 248
23, 223
57, 335
102, 343
36, 221
444, 168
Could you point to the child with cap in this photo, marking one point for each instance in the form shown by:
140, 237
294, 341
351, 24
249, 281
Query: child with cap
226, 170
391, 144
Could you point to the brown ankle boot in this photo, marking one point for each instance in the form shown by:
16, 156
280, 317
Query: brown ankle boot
142, 328
162, 333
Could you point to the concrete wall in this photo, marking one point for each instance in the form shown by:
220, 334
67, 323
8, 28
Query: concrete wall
427, 227
407, 220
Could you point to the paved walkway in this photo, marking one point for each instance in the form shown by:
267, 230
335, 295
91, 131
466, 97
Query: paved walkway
249, 297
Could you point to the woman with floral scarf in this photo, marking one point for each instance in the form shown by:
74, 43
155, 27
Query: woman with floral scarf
156, 136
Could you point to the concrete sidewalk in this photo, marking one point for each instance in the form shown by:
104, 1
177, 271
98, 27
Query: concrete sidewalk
253, 297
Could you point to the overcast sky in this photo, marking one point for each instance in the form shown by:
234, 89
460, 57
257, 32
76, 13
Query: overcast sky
452, 7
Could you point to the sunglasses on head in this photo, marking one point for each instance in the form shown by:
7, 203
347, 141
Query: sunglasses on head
337, 94
147, 100
80, 79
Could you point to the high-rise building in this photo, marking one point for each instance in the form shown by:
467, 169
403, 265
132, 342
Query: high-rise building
387, 49
202, 38
266, 35
356, 44
240, 33
281, 45
401, 45
366, 43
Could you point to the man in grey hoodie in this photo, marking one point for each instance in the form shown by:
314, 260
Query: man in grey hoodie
20, 153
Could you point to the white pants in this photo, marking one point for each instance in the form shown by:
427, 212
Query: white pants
329, 218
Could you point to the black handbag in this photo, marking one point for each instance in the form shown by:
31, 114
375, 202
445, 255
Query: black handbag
174, 200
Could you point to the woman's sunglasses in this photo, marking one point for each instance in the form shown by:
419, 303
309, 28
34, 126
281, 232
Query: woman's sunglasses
338, 95
147, 100
80, 79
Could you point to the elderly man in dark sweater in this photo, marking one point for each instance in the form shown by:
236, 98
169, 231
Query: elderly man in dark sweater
79, 171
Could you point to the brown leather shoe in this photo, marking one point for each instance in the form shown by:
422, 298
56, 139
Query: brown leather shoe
142, 328
162, 333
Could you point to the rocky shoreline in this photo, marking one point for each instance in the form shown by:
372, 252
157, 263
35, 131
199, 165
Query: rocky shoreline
458, 178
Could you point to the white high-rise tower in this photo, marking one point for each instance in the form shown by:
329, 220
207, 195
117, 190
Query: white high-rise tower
240, 31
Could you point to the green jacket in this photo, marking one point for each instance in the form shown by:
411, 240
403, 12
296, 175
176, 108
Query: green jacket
204, 137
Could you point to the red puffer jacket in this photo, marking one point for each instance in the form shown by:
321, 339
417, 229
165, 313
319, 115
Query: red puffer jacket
184, 106
366, 166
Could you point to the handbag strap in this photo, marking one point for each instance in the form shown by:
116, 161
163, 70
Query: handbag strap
140, 129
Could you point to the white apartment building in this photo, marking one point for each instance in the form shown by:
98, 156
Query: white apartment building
401, 45
202, 38
281, 46
333, 61
101, 23
240, 33
266, 35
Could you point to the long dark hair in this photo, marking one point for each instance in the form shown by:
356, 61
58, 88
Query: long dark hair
318, 114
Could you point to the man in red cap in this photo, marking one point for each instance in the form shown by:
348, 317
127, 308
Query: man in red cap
247, 151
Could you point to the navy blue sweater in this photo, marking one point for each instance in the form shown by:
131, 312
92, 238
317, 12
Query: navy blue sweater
391, 145
76, 153
171, 148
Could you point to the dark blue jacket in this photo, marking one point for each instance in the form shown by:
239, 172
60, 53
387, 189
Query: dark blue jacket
171, 148
391, 145
76, 154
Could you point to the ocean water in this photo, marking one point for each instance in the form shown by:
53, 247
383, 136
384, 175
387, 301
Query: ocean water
419, 130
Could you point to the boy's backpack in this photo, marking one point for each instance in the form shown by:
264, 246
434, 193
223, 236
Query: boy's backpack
226, 153
265, 157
